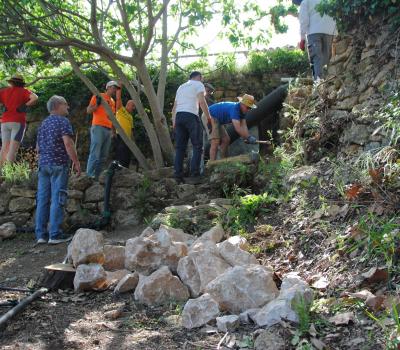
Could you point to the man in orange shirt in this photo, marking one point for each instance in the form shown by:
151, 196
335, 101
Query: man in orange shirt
101, 130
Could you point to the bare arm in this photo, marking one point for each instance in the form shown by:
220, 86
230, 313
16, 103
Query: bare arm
203, 105
90, 109
173, 114
32, 99
205, 122
241, 128
70, 148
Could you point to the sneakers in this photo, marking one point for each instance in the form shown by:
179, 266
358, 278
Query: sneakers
60, 239
41, 241
194, 180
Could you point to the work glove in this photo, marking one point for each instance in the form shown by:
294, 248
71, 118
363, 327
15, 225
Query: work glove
302, 45
22, 108
251, 140
98, 100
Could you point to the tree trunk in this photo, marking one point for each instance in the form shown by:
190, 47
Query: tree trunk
160, 121
164, 60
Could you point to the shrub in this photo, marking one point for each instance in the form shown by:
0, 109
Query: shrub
351, 13
16, 172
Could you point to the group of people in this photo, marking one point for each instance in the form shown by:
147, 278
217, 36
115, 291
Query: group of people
56, 148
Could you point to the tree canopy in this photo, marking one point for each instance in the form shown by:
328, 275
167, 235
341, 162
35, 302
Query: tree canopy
122, 38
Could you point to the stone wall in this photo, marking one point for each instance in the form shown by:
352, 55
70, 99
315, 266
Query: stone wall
339, 114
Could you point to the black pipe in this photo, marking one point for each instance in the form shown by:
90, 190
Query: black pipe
266, 108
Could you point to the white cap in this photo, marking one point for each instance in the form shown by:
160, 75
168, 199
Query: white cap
112, 83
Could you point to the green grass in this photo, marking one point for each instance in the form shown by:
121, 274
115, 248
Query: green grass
16, 172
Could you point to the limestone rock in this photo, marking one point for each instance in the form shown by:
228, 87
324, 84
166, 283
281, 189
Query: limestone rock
295, 288
243, 287
19, 219
90, 277
269, 340
304, 173
177, 235
239, 241
126, 218
356, 133
114, 257
200, 245
246, 317
82, 218
87, 247
227, 323
215, 234
201, 266
148, 231
127, 283
160, 287
127, 178
22, 192
198, 312
8, 230
80, 183
94, 193
236, 256
274, 312
161, 173
73, 205
75, 194
21, 204
113, 277
185, 191
147, 254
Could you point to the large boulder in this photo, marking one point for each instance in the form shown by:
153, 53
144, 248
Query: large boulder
235, 256
90, 277
197, 312
87, 247
147, 254
160, 287
243, 287
177, 235
295, 289
199, 268
114, 257
7, 230
214, 234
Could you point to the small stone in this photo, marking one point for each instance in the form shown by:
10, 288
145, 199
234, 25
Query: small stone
274, 312
269, 340
246, 317
94, 193
22, 192
127, 283
197, 312
227, 323
113, 277
74, 194
21, 204
8, 230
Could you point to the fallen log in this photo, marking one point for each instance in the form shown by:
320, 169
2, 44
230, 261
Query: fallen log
21, 306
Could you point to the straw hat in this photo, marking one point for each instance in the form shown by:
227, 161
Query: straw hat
247, 100
17, 79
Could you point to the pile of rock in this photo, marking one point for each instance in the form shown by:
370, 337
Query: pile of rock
223, 280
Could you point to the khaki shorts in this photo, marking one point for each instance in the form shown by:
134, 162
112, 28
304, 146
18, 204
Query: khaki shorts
217, 130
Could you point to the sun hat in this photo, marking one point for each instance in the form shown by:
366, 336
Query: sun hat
17, 79
247, 100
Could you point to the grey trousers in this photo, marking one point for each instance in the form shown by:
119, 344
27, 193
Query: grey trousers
319, 52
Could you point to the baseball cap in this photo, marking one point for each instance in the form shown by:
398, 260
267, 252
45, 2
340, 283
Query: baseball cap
112, 83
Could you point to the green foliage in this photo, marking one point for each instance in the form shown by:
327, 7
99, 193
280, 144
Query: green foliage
291, 62
142, 205
16, 172
389, 115
302, 309
178, 219
226, 63
231, 176
245, 211
349, 13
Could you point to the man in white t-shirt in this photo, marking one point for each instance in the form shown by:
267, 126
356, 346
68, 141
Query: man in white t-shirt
319, 31
187, 124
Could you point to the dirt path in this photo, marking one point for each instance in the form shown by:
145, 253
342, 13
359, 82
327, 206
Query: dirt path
65, 320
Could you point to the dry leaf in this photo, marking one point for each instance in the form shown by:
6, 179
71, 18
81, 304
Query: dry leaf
321, 283
375, 302
353, 191
363, 294
376, 275
113, 314
376, 175
342, 319
312, 331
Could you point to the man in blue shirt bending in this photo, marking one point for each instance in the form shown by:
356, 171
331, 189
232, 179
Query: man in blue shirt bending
225, 113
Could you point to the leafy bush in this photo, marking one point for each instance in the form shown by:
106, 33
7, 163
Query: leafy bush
280, 60
16, 172
350, 13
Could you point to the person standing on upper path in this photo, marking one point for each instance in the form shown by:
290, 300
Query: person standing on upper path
101, 130
187, 125
318, 31
125, 119
55, 148
223, 113
16, 100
